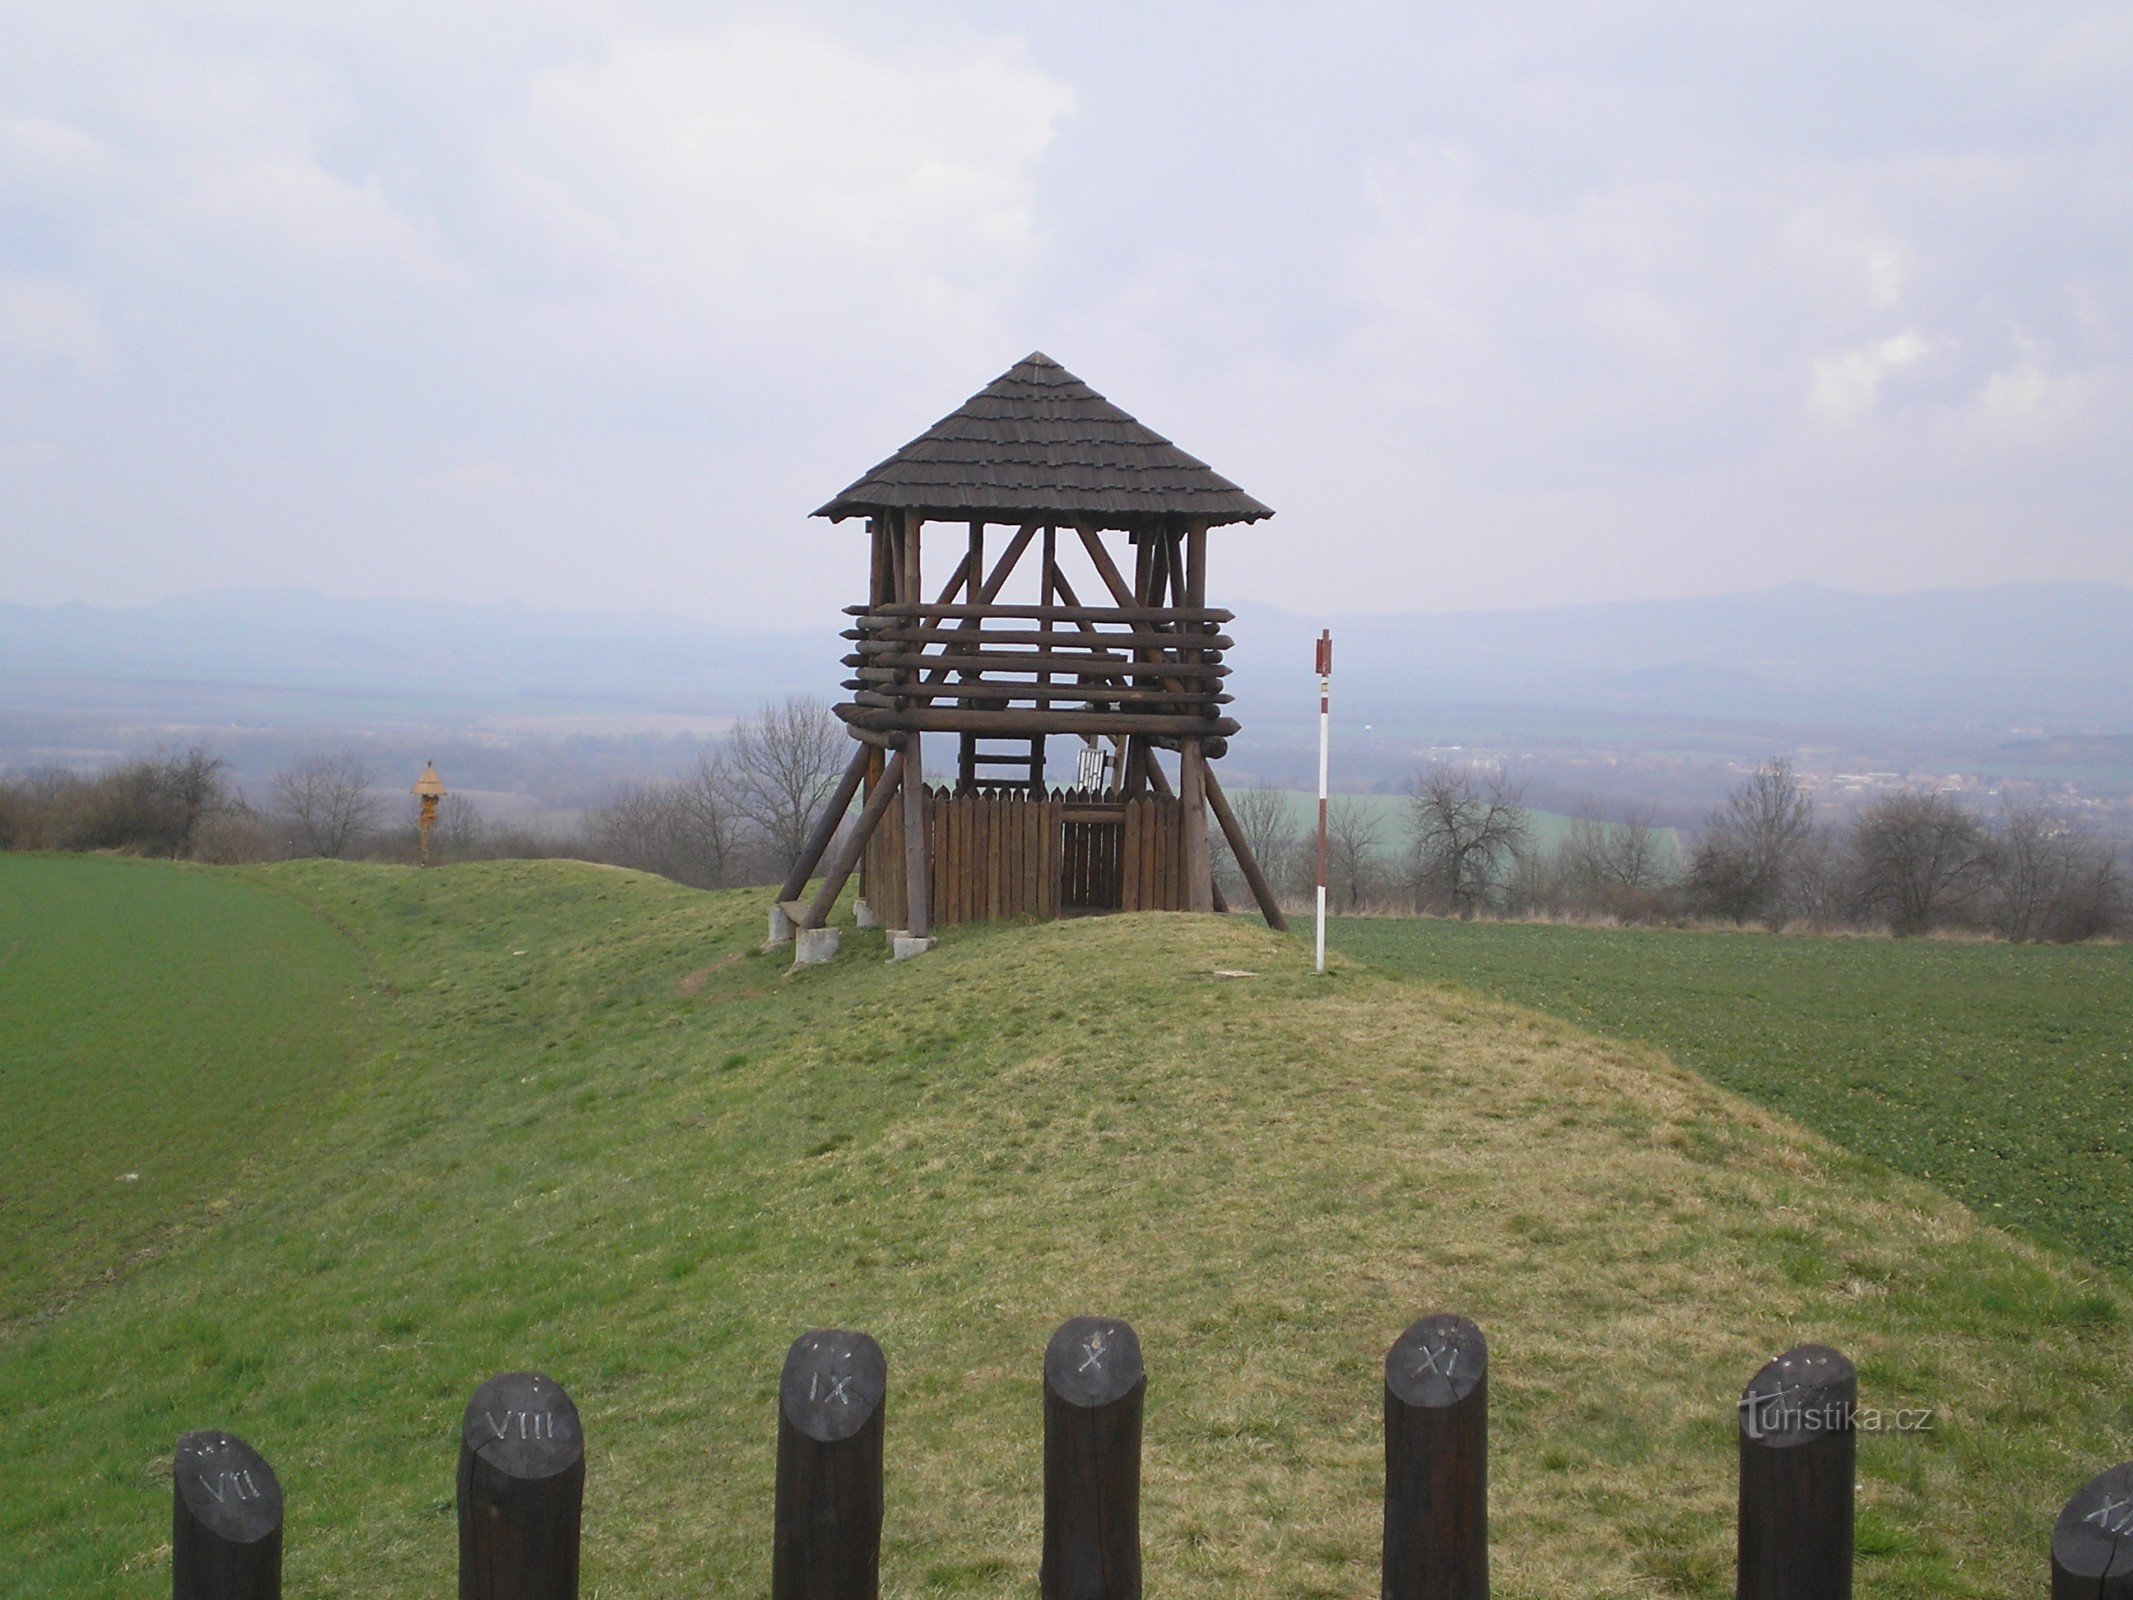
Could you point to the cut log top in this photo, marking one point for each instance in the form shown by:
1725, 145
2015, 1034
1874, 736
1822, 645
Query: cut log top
1436, 1363
523, 1425
833, 1383
1805, 1394
1093, 1361
227, 1487
2094, 1538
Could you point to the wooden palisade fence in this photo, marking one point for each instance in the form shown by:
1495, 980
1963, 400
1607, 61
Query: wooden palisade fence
522, 1478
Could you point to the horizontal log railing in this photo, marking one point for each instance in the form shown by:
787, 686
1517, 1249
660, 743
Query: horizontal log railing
1155, 671
893, 613
522, 1481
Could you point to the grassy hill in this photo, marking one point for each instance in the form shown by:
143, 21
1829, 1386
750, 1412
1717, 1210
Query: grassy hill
164, 1031
597, 1133
2002, 1072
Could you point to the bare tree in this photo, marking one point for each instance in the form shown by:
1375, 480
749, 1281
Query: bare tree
781, 766
685, 828
1751, 846
1268, 823
2052, 877
1615, 869
1465, 829
327, 804
1920, 860
461, 829
1354, 850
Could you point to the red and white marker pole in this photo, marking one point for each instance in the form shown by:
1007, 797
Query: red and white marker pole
1325, 702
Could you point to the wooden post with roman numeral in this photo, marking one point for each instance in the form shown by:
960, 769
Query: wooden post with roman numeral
521, 1491
225, 1537
1798, 1449
1094, 1385
2092, 1547
826, 1538
1437, 1462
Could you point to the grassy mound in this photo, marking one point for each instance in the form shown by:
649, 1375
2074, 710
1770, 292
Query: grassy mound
2003, 1073
610, 1140
164, 1027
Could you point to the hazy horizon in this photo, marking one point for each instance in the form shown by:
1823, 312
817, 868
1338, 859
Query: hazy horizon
179, 599
1502, 308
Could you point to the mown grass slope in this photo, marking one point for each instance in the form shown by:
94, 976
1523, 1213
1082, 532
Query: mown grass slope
610, 1140
2003, 1073
160, 1028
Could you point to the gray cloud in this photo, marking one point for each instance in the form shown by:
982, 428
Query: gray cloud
1496, 305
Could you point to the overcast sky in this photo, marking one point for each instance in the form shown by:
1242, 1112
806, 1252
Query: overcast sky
1496, 305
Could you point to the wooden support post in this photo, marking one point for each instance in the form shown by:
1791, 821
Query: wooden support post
917, 917
1797, 1453
1192, 759
521, 1491
225, 1536
853, 848
1094, 1387
2092, 1547
825, 827
826, 1543
1241, 848
966, 776
1437, 1463
1045, 597
875, 767
1198, 862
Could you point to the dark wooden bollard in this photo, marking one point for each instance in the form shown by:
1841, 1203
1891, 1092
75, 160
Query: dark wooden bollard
1093, 1388
2092, 1547
1797, 1452
521, 1491
827, 1541
1437, 1462
225, 1537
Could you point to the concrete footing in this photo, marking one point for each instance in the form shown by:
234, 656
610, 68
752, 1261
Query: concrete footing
902, 947
864, 914
780, 926
813, 946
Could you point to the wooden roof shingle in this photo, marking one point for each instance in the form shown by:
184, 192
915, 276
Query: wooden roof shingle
1039, 445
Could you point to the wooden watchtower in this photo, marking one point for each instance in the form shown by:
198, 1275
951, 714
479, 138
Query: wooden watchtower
1117, 668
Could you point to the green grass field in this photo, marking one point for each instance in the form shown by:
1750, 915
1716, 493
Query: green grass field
162, 1031
2003, 1073
597, 1133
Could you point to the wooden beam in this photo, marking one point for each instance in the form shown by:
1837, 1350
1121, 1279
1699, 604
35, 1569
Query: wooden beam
1094, 663
884, 640
1247, 863
997, 693
1022, 723
1107, 570
1198, 860
825, 828
898, 614
853, 845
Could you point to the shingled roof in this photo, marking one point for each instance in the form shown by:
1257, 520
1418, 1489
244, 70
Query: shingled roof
1039, 445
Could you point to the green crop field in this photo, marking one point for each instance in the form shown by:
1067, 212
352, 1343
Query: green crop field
590, 1129
160, 1029
2003, 1073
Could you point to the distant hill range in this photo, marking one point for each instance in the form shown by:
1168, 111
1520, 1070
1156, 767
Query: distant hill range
2047, 662
2018, 660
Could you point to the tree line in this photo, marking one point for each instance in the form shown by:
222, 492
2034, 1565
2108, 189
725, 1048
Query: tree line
1461, 842
737, 815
